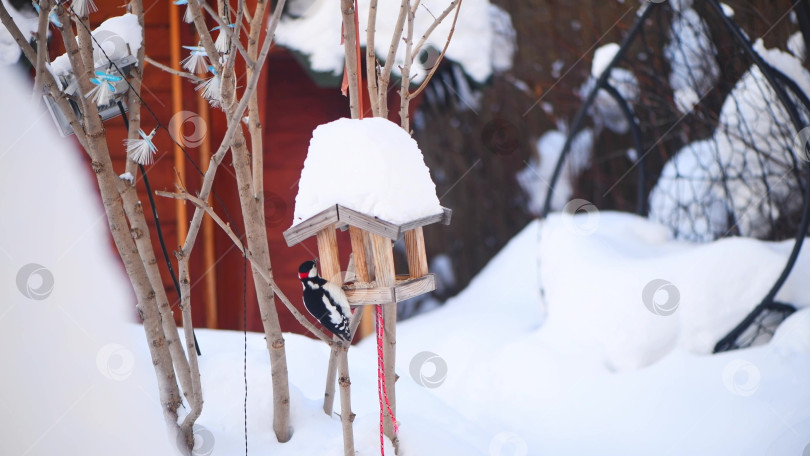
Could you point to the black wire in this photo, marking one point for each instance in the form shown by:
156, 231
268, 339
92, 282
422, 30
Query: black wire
244, 332
158, 228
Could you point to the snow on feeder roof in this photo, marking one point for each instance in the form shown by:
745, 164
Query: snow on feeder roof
368, 173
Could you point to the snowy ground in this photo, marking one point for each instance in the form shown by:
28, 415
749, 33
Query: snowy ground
505, 384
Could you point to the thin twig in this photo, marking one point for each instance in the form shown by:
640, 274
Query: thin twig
385, 73
405, 72
42, 45
441, 56
232, 34
135, 82
439, 20
191, 77
349, 45
371, 58
204, 34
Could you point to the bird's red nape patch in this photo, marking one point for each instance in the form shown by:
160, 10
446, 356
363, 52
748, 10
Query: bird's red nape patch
303, 275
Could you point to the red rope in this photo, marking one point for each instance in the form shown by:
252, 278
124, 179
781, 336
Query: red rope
381, 389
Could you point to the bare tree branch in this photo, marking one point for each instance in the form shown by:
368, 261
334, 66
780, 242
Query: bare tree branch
191, 77
204, 34
436, 22
385, 74
405, 71
444, 50
232, 34
349, 44
371, 59
135, 82
42, 45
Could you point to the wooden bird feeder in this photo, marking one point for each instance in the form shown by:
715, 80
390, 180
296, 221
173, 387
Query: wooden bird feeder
375, 281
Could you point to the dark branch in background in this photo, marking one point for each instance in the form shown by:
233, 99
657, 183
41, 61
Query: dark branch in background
579, 119
767, 302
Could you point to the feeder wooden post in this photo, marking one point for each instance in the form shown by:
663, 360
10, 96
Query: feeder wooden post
386, 277
346, 415
415, 251
359, 254
364, 267
329, 258
328, 255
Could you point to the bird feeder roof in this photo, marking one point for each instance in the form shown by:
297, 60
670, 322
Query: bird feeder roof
340, 216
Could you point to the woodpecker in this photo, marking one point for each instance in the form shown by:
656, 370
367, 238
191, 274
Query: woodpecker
325, 300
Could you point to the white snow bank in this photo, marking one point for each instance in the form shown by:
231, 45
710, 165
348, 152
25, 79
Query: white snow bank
599, 281
372, 166
27, 23
117, 36
540, 388
478, 42
72, 383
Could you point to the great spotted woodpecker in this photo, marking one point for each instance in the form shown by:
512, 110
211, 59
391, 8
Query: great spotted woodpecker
325, 300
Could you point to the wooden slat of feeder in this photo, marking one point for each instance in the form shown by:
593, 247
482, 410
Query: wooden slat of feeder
329, 257
359, 254
311, 226
369, 294
415, 251
368, 322
443, 218
415, 287
346, 216
370, 224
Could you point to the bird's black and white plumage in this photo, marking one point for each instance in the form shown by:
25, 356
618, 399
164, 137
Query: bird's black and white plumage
325, 300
